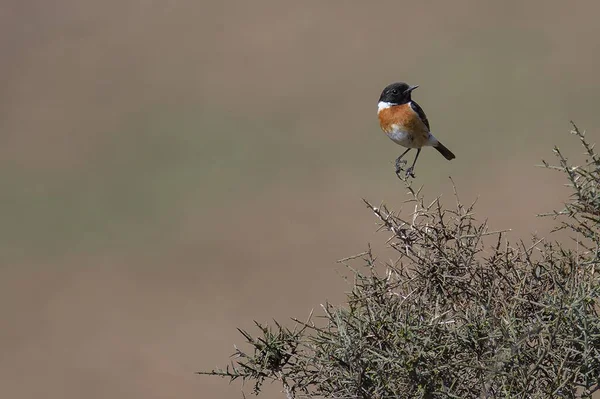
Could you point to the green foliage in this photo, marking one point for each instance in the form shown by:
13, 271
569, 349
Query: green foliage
461, 314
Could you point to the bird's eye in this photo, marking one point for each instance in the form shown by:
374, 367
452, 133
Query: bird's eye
394, 91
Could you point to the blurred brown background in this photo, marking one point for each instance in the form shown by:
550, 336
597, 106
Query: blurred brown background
171, 170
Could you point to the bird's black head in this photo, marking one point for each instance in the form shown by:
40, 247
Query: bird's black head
397, 93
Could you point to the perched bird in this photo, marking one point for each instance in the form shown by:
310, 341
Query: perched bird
405, 122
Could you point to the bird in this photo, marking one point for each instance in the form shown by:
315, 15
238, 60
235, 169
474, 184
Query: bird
405, 123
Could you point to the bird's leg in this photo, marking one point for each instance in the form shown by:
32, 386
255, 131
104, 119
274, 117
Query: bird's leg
411, 171
400, 162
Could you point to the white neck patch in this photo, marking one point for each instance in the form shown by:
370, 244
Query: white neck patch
383, 105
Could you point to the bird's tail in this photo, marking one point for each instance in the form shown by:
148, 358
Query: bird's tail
444, 151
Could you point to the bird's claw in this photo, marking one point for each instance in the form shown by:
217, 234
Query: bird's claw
410, 172
399, 164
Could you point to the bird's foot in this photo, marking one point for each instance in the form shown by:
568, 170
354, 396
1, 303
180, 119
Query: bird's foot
399, 164
410, 172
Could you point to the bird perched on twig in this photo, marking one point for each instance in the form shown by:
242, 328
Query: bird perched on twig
405, 122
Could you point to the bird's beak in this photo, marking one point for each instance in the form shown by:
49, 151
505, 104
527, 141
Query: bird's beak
411, 88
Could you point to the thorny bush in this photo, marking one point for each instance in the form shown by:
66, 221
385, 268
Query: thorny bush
461, 314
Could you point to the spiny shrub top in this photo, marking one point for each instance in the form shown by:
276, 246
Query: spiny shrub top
462, 313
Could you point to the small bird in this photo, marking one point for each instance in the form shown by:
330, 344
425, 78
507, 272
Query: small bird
405, 122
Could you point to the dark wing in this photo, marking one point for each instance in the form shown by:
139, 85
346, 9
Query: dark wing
417, 108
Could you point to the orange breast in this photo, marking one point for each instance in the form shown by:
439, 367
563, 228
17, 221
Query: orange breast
404, 117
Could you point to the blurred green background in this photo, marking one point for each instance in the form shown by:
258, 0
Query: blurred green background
171, 170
